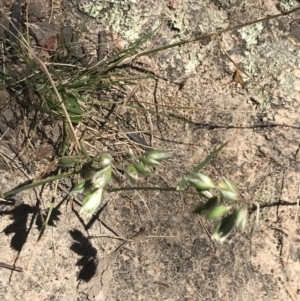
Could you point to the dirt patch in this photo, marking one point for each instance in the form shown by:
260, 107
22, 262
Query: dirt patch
149, 246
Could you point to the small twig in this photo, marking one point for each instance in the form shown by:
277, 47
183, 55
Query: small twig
10, 267
202, 298
145, 204
162, 236
140, 103
109, 236
35, 281
2, 62
27, 22
50, 167
145, 188
51, 12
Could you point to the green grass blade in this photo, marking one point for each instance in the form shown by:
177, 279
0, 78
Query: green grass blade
183, 182
35, 184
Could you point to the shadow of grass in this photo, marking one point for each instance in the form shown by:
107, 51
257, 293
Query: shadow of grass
88, 253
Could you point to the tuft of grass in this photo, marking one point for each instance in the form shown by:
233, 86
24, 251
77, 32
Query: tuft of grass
65, 90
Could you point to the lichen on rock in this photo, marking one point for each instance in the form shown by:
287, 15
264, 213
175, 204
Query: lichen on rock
251, 33
286, 5
120, 15
130, 17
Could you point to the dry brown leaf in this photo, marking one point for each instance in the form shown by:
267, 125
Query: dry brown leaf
238, 79
50, 46
44, 151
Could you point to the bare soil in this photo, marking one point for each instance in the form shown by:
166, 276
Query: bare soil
149, 245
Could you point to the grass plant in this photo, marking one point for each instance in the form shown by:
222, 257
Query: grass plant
64, 90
